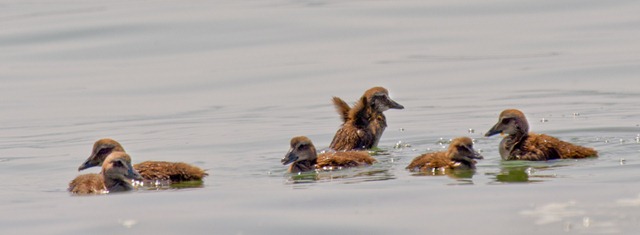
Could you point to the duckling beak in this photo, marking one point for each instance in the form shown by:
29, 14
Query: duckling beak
289, 158
88, 163
496, 129
476, 155
394, 105
133, 174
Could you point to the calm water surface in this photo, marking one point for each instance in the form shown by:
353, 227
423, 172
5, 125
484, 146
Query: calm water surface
224, 85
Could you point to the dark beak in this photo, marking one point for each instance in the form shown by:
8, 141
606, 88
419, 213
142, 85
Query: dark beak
289, 157
494, 130
87, 163
394, 105
133, 174
476, 155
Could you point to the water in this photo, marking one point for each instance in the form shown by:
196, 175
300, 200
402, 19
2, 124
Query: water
224, 85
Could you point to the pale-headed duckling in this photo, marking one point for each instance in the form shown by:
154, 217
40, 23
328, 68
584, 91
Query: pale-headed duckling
116, 176
363, 124
459, 155
520, 144
150, 170
304, 157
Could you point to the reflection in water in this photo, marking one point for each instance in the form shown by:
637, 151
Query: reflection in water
166, 184
347, 176
523, 172
462, 177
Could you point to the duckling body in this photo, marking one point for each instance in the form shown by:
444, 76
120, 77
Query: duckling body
116, 176
520, 144
363, 124
459, 155
173, 171
304, 157
149, 170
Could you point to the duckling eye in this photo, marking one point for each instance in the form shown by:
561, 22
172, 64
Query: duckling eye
303, 147
506, 120
117, 164
104, 150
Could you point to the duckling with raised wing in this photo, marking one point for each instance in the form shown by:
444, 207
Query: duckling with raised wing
363, 124
520, 144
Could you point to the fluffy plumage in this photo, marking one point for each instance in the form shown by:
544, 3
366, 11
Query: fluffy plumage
459, 155
116, 176
363, 124
304, 157
150, 170
520, 144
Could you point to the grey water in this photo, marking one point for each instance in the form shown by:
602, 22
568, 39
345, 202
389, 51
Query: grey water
224, 85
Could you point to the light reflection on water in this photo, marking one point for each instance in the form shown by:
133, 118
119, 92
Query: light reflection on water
226, 84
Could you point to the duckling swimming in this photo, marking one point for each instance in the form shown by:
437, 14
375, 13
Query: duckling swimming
304, 157
363, 124
116, 176
459, 155
150, 170
520, 144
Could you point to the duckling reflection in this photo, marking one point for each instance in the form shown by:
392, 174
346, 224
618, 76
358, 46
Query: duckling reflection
520, 144
523, 172
158, 171
116, 176
363, 124
303, 157
460, 155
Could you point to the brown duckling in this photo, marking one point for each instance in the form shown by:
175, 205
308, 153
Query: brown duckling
520, 144
363, 124
304, 157
116, 176
459, 155
150, 170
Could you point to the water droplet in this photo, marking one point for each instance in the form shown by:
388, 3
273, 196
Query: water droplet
576, 114
622, 141
471, 130
401, 129
622, 161
128, 223
544, 120
638, 138
586, 222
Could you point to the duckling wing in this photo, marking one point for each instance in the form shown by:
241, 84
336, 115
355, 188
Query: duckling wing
87, 184
344, 159
349, 137
428, 161
174, 171
342, 108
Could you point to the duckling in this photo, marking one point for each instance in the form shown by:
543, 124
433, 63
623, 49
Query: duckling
150, 170
459, 155
116, 176
363, 124
520, 144
304, 157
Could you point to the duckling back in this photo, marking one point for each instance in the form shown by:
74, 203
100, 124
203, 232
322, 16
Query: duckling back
87, 184
334, 160
540, 147
173, 171
428, 161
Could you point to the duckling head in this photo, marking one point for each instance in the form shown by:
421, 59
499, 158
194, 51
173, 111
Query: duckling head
101, 149
117, 167
301, 149
378, 99
511, 122
461, 150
